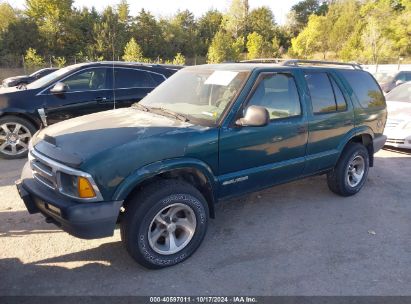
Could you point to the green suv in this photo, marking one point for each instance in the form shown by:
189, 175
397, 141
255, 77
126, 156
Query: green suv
206, 134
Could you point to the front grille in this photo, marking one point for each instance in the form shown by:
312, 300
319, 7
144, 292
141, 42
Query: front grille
395, 141
43, 171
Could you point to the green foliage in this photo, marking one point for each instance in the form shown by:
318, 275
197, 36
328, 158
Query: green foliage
235, 21
208, 25
32, 59
258, 47
7, 16
261, 20
179, 59
59, 62
224, 48
312, 39
132, 52
367, 31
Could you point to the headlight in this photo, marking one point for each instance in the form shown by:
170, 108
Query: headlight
76, 186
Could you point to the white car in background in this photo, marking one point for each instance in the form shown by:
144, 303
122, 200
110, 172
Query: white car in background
398, 127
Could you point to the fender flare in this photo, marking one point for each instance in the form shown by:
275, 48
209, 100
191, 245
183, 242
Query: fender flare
156, 168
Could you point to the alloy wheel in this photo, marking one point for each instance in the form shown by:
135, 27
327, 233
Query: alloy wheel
14, 138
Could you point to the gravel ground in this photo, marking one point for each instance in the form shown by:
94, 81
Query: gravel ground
294, 239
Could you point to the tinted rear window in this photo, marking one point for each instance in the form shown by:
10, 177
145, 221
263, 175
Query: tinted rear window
365, 88
129, 78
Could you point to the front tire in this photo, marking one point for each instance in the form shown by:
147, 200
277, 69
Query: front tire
15, 134
164, 224
349, 175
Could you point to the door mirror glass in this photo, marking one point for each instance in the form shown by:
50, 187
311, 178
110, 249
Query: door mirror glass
255, 116
59, 88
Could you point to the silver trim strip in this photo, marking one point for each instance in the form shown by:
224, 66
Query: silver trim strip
57, 167
82, 70
43, 116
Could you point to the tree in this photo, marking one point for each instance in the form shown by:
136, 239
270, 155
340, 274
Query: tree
235, 21
7, 16
123, 10
148, 34
183, 36
50, 16
312, 38
179, 59
132, 52
224, 48
59, 62
258, 47
110, 35
32, 59
261, 21
208, 25
299, 14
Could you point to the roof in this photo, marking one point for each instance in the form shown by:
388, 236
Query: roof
291, 64
131, 64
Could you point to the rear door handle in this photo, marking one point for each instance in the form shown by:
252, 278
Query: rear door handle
101, 99
348, 123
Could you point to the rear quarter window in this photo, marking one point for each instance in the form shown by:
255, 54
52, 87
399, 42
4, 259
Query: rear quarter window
365, 88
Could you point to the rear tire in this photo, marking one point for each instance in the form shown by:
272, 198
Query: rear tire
15, 134
164, 223
349, 175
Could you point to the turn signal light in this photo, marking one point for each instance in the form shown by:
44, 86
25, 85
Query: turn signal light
85, 190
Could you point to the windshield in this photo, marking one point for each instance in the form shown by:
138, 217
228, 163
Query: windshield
197, 93
37, 72
41, 82
401, 93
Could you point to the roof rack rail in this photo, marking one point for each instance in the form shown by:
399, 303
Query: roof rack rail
263, 60
354, 65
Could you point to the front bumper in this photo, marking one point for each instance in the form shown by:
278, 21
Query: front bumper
379, 142
82, 220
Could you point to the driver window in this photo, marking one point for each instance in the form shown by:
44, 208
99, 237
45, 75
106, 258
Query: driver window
88, 80
278, 94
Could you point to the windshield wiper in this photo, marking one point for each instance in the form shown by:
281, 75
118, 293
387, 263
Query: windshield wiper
171, 113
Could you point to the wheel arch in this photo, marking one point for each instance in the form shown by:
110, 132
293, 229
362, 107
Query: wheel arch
36, 123
192, 171
364, 136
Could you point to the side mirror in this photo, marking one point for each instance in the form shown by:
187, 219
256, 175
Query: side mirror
255, 116
398, 82
59, 88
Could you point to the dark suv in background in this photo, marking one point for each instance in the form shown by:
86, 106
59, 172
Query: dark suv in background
69, 92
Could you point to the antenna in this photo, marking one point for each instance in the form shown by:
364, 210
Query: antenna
113, 75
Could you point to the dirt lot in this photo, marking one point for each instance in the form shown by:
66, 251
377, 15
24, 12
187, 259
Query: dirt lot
295, 239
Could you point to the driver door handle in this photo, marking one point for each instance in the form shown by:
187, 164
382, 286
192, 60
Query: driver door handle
101, 99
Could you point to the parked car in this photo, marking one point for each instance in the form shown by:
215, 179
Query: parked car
398, 128
69, 92
395, 80
206, 134
26, 79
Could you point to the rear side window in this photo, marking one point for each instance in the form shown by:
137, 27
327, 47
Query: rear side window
326, 96
129, 78
365, 88
158, 78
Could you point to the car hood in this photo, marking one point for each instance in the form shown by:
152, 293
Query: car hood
399, 110
76, 140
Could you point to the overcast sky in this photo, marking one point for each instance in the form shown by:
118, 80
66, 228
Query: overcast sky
167, 8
